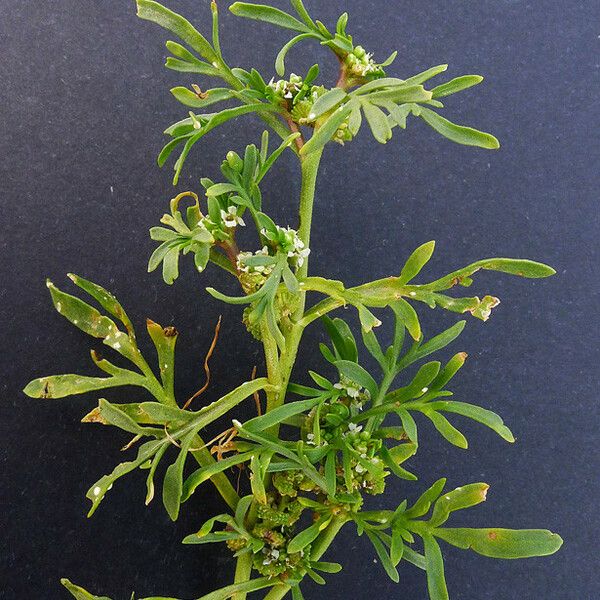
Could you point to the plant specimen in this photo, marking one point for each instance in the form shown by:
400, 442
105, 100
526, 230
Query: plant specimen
316, 451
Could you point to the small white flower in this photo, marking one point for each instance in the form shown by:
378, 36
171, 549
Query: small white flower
230, 218
310, 439
354, 428
359, 468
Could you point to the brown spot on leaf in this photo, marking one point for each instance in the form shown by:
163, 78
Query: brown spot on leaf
170, 331
46, 391
94, 417
202, 95
493, 535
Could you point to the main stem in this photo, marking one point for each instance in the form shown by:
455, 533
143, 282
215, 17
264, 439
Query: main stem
280, 364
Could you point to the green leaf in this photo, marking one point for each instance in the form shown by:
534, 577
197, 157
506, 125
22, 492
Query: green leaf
113, 415
170, 270
151, 472
257, 474
324, 133
481, 415
414, 558
407, 315
97, 492
327, 102
449, 371
503, 543
422, 505
82, 315
194, 100
280, 414
214, 121
267, 14
417, 260
343, 340
393, 462
157, 413
446, 429
354, 372
408, 424
441, 341
220, 189
512, 266
60, 386
386, 561
378, 122
368, 320
400, 94
457, 133
418, 386
164, 341
268, 162
104, 298
330, 473
211, 538
425, 75
280, 61
326, 567
79, 593
374, 347
203, 474
456, 85
240, 588
458, 499
173, 481
196, 66
434, 564
182, 28
303, 13
307, 536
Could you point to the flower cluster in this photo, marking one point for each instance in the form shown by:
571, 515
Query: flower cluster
286, 90
359, 65
288, 242
272, 532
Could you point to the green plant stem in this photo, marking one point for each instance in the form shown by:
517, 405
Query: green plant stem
243, 572
310, 169
204, 458
279, 366
386, 382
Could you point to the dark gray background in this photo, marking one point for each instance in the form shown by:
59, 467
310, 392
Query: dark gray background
84, 99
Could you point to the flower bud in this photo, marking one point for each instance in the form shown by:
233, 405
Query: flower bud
234, 161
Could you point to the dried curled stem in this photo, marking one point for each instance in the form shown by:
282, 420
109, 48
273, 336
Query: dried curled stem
206, 366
